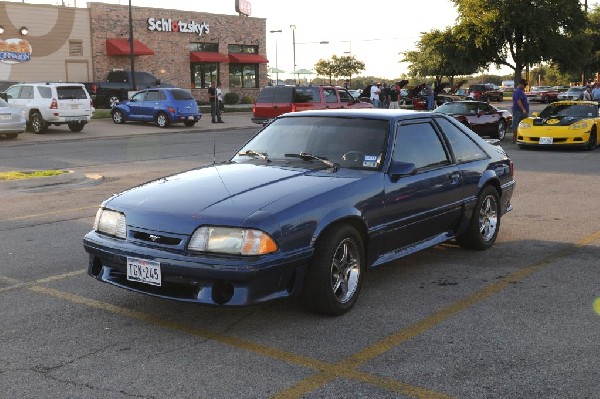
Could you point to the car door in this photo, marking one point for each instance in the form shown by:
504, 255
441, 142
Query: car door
152, 103
13, 97
428, 201
487, 119
136, 104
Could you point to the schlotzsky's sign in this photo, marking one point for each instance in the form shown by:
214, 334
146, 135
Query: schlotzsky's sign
171, 25
243, 7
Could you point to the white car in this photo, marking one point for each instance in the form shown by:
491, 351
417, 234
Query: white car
47, 104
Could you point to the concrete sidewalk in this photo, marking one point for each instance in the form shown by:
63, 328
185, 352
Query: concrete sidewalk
100, 128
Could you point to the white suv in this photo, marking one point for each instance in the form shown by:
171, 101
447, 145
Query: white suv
52, 104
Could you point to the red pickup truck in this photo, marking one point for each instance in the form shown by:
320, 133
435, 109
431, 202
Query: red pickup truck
273, 101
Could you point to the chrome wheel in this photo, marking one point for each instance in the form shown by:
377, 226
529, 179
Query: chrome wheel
501, 130
118, 117
345, 271
162, 119
488, 218
113, 101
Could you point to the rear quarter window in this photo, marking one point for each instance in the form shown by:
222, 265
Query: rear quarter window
182, 95
71, 93
45, 92
307, 95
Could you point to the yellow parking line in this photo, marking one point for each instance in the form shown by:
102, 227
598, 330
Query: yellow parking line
15, 284
49, 213
327, 372
392, 341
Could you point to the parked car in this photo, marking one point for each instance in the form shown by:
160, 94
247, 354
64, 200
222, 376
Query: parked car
445, 93
273, 101
161, 105
573, 93
485, 92
12, 120
118, 84
305, 208
544, 94
562, 124
481, 117
56, 104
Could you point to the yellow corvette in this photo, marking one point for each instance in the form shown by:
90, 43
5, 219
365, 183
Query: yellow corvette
562, 123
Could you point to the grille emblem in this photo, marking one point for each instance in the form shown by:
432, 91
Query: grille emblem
153, 237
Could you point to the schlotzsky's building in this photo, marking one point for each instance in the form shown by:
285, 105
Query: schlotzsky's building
186, 49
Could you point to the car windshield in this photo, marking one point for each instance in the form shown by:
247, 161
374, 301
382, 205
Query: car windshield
457, 108
572, 110
346, 142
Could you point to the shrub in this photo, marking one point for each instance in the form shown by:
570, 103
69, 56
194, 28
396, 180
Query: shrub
247, 100
231, 98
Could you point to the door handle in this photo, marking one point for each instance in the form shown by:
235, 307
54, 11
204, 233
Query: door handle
454, 177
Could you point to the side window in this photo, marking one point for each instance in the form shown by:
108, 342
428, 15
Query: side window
139, 96
345, 97
13, 92
27, 92
330, 96
484, 108
152, 95
465, 149
419, 144
162, 96
45, 91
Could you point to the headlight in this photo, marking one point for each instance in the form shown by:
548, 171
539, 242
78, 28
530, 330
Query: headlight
111, 223
578, 126
524, 125
231, 240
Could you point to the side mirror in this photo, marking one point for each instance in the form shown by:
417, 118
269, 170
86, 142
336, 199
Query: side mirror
399, 169
535, 114
4, 96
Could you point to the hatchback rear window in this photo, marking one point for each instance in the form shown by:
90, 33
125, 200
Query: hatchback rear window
182, 95
71, 93
275, 94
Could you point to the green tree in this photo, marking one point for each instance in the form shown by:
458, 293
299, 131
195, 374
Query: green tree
345, 66
325, 68
516, 33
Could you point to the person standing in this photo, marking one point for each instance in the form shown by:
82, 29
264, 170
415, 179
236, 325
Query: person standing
220, 102
375, 95
587, 93
215, 112
429, 96
520, 107
596, 92
394, 96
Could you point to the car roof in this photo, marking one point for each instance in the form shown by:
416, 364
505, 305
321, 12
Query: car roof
371, 113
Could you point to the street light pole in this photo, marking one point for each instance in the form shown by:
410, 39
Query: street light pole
132, 68
293, 28
276, 63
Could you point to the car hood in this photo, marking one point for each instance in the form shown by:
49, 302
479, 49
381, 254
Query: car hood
224, 194
558, 120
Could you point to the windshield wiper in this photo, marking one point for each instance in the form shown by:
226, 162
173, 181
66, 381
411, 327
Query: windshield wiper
250, 153
307, 157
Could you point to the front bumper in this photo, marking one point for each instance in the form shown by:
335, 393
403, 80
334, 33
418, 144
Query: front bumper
562, 138
213, 280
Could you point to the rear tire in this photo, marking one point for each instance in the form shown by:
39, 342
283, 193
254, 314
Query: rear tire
334, 276
485, 222
38, 124
112, 101
76, 126
162, 120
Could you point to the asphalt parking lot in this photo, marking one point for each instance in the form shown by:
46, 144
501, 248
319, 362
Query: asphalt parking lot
521, 320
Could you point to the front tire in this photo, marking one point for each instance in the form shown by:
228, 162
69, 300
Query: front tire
162, 120
501, 132
118, 117
592, 142
485, 222
334, 276
38, 124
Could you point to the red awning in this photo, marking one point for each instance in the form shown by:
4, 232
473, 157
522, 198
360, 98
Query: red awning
197, 56
239, 58
121, 47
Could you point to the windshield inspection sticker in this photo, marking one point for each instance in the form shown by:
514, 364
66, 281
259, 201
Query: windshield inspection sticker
370, 161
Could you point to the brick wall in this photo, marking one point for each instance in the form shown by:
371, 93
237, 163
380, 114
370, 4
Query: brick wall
171, 60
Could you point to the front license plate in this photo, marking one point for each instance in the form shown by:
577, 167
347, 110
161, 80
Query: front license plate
191, 118
5, 117
545, 140
143, 271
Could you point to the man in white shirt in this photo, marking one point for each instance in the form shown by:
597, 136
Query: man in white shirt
375, 95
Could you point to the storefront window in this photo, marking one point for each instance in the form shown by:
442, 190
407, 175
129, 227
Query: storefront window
203, 74
243, 75
243, 48
205, 47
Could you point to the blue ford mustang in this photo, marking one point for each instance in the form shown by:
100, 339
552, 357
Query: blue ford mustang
305, 207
